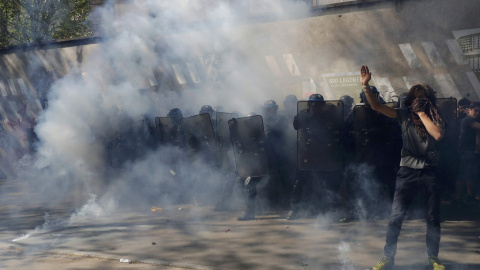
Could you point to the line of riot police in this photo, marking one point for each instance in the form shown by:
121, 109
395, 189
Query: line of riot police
327, 156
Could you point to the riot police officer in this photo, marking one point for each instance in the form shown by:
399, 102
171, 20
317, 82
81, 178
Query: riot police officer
275, 134
290, 111
248, 137
320, 155
208, 109
348, 104
376, 150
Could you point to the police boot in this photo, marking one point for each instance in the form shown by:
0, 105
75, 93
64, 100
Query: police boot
250, 198
294, 212
249, 213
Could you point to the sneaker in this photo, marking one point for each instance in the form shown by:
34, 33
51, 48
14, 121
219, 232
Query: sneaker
435, 263
385, 264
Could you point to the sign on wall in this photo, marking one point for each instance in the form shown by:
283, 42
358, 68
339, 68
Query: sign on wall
348, 83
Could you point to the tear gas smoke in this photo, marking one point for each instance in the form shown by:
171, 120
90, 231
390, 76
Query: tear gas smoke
101, 98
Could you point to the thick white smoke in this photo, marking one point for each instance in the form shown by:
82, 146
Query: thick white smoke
103, 97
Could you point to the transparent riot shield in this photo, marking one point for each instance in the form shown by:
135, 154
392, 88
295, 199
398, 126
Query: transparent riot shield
224, 143
248, 138
169, 132
320, 135
200, 138
447, 108
375, 136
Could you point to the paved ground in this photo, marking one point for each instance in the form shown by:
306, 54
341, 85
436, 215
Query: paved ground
185, 236
15, 258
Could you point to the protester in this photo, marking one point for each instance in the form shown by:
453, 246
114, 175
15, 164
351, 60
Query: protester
422, 128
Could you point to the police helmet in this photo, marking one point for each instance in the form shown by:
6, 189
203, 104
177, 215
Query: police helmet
206, 109
175, 112
347, 100
270, 104
316, 97
290, 99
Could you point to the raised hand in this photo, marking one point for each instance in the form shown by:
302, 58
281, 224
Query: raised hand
365, 75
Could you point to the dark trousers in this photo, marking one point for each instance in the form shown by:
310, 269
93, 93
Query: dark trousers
408, 182
320, 187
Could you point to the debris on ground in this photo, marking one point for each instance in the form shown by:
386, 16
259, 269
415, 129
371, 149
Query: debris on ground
155, 209
123, 260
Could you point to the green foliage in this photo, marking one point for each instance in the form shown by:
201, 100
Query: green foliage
41, 21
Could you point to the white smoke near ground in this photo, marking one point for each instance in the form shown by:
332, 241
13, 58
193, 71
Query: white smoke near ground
343, 256
88, 210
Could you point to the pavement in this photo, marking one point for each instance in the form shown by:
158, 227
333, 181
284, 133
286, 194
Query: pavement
191, 237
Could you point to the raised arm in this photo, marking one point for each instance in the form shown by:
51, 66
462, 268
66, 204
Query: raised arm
365, 77
437, 132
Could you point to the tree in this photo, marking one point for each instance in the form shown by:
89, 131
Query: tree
40, 21
8, 9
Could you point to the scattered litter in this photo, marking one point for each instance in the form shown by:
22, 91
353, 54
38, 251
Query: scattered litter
155, 209
123, 260
287, 227
227, 230
172, 172
339, 16
180, 208
153, 243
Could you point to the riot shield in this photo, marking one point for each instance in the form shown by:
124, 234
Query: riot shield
169, 132
200, 138
127, 145
248, 139
320, 135
374, 136
447, 108
224, 143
